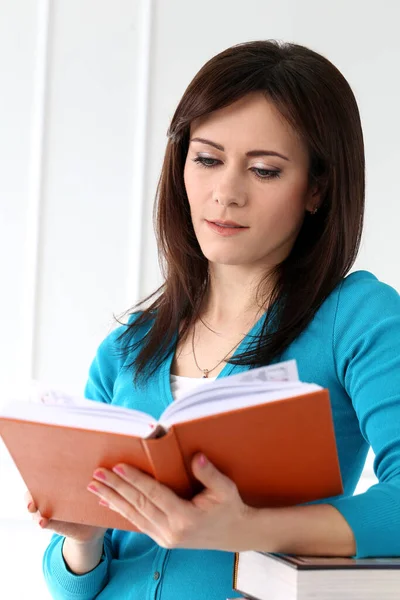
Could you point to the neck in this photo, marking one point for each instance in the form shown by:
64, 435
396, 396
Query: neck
232, 296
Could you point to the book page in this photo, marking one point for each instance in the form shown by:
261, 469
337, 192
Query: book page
39, 403
222, 403
283, 371
257, 386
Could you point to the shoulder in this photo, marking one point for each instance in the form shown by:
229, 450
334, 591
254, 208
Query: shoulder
362, 293
121, 343
366, 315
357, 305
130, 333
356, 296
360, 283
121, 336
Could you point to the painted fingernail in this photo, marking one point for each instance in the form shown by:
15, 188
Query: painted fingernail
104, 503
92, 488
99, 475
119, 470
30, 505
202, 460
41, 522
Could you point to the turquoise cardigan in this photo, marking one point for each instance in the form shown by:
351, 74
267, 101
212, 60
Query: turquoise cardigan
351, 347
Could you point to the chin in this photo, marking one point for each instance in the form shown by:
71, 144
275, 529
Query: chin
225, 258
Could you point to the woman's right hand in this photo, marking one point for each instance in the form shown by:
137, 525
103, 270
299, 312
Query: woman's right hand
75, 531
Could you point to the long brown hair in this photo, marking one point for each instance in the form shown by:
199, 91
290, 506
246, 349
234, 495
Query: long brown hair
317, 101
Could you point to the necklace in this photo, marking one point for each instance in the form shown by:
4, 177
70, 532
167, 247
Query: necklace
207, 371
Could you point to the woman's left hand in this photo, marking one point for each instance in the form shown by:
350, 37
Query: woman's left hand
215, 519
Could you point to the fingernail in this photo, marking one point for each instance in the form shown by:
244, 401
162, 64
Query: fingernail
92, 488
104, 503
99, 475
41, 522
202, 460
30, 505
119, 470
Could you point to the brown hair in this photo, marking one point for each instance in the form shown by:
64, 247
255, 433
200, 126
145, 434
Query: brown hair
319, 104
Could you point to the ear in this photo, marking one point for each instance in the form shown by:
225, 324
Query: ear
313, 199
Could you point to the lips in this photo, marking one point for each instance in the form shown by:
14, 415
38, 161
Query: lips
228, 224
226, 228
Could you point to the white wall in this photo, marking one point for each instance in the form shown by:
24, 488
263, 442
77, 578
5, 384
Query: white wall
88, 89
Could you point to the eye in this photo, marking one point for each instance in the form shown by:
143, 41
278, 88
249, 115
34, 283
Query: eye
266, 173
204, 161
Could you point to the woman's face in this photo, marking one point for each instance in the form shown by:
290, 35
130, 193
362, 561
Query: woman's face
245, 165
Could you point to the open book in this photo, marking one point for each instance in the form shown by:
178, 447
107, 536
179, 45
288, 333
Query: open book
269, 432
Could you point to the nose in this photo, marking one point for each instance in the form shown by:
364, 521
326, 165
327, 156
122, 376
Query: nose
230, 190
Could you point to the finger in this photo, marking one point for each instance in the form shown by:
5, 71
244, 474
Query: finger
141, 486
123, 498
41, 521
29, 502
211, 477
118, 504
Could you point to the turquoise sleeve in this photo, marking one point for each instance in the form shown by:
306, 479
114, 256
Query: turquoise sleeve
65, 585
366, 347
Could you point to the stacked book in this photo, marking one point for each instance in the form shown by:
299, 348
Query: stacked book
265, 576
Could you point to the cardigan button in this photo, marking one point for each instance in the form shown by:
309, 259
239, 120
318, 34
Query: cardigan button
156, 575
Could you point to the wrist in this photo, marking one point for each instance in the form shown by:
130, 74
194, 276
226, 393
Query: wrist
257, 531
82, 556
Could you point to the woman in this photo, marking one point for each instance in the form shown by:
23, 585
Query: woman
260, 212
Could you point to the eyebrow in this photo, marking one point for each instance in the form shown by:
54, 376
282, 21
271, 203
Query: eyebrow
250, 153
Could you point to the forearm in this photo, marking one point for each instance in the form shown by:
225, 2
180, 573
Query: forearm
313, 530
82, 557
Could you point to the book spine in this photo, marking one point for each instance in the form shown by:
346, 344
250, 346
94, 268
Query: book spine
235, 571
167, 463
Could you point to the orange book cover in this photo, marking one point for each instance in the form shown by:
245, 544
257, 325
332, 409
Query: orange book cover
278, 453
